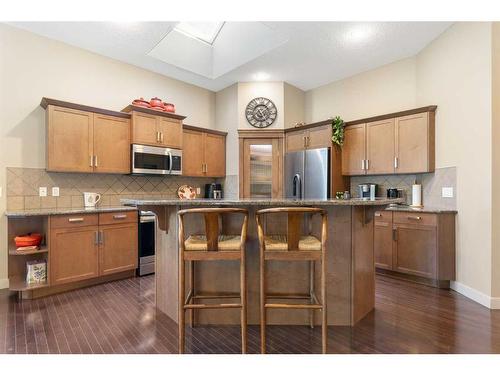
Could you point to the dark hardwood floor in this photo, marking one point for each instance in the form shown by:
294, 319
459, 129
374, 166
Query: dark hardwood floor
119, 317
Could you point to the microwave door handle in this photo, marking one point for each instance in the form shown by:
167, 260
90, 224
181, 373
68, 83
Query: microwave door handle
171, 162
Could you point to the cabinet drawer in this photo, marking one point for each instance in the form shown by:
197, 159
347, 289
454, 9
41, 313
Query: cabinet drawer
73, 221
106, 218
383, 216
415, 218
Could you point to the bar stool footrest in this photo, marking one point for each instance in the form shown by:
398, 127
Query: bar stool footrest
292, 306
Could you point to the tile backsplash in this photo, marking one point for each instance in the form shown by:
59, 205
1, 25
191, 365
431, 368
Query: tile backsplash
432, 184
23, 184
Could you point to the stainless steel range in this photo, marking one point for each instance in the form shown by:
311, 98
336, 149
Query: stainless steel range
147, 243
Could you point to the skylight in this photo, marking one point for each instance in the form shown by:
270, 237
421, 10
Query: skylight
204, 31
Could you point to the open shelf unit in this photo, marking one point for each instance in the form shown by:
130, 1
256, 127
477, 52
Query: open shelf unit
17, 260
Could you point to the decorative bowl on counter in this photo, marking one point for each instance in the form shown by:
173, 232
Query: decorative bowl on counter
156, 102
169, 107
186, 192
141, 103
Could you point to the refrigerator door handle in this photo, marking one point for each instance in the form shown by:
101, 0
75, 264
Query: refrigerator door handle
297, 185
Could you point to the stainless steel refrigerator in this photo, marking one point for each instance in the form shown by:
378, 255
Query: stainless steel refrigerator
307, 174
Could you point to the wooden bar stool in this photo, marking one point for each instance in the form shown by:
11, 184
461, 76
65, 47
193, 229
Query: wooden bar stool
211, 246
293, 247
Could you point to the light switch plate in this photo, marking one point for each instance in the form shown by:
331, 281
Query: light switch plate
42, 191
1, 191
198, 190
447, 192
55, 191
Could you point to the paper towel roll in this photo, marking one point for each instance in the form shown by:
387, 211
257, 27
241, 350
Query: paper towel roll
416, 195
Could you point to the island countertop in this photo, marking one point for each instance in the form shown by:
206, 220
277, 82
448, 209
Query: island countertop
260, 202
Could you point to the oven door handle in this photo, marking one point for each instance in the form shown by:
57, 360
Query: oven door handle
171, 162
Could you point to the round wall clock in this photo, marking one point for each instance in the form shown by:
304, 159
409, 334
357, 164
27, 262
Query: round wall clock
261, 112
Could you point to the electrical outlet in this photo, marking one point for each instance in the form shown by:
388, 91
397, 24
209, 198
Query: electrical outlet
55, 191
447, 192
1, 191
42, 191
198, 191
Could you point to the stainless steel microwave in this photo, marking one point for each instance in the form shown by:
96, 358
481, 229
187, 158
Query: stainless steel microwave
156, 160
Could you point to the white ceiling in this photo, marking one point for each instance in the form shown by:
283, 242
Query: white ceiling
304, 54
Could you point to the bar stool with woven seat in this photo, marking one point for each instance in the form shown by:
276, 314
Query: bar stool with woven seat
211, 246
293, 247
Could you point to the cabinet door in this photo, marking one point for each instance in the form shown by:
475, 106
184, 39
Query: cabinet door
414, 144
319, 137
215, 155
73, 254
353, 151
193, 153
295, 141
380, 147
415, 250
170, 132
118, 248
69, 140
383, 240
144, 129
111, 144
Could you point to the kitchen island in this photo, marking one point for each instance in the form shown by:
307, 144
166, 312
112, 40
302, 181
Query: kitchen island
350, 259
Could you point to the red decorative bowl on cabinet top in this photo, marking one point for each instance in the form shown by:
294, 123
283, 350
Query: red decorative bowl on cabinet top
141, 103
156, 102
169, 107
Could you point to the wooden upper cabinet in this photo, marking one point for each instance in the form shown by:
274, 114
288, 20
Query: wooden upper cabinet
414, 142
118, 248
193, 153
215, 155
170, 132
204, 154
354, 150
69, 140
380, 147
111, 144
156, 130
319, 137
73, 254
295, 141
144, 130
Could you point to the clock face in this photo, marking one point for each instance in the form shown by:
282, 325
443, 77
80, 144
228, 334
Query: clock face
261, 112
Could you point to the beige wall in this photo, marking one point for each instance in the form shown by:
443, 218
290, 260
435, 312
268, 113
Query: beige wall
226, 114
387, 89
294, 105
32, 67
453, 72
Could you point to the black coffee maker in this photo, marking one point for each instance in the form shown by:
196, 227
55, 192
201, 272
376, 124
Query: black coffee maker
213, 191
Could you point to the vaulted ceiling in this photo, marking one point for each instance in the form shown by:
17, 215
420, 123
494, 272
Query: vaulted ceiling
304, 54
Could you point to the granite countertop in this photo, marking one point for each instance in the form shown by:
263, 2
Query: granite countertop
424, 209
259, 202
66, 211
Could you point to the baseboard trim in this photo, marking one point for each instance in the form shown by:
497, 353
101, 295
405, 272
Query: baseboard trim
476, 295
4, 283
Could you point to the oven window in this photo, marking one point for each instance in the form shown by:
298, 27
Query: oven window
151, 161
147, 239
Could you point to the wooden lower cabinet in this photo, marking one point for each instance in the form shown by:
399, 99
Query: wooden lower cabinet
416, 244
74, 254
118, 248
82, 249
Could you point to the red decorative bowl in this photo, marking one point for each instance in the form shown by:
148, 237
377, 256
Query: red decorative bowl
169, 107
30, 239
156, 102
141, 103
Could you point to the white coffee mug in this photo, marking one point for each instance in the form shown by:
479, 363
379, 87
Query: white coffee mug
91, 199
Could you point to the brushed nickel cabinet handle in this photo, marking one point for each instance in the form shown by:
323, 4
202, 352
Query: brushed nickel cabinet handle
161, 137
96, 238
394, 234
91, 161
75, 219
102, 237
157, 137
378, 214
118, 217
95, 161
395, 163
363, 164
367, 164
414, 218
